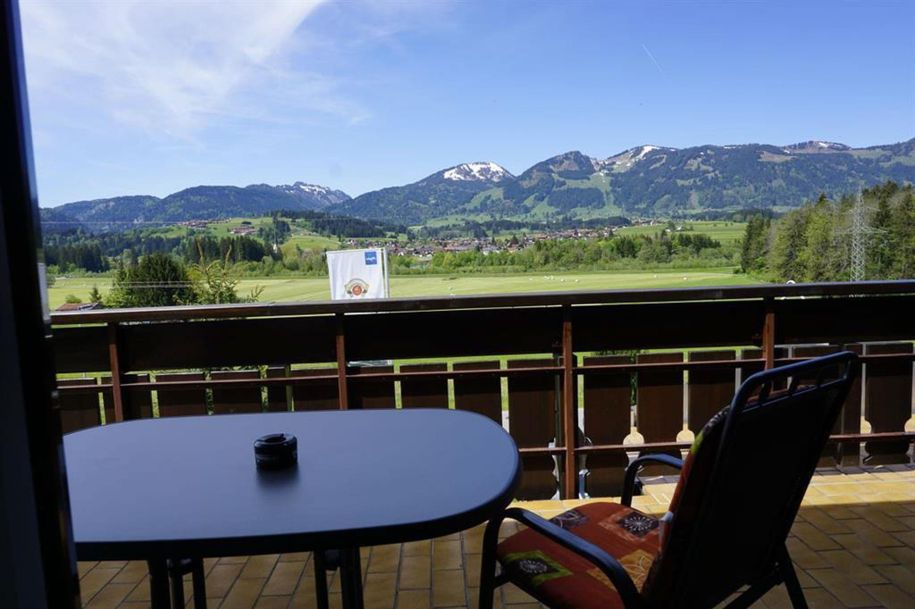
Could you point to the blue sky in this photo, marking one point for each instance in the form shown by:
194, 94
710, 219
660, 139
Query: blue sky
152, 96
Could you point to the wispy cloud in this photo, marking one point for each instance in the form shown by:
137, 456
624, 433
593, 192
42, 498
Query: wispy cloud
173, 67
653, 60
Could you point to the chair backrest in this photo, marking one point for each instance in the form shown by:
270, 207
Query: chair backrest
744, 480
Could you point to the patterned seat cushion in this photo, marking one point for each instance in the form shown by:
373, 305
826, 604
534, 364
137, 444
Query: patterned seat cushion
564, 580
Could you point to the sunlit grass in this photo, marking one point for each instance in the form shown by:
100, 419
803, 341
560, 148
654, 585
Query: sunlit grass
292, 288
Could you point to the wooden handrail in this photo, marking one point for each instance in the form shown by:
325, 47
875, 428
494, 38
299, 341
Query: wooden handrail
439, 303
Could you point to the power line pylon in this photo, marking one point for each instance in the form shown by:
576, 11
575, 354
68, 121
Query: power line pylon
859, 234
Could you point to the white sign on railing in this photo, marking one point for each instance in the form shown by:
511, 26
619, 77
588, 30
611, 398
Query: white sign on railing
356, 274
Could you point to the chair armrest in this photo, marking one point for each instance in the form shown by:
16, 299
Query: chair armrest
633, 470
609, 565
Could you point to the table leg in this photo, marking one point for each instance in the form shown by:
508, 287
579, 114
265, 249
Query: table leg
351, 578
158, 584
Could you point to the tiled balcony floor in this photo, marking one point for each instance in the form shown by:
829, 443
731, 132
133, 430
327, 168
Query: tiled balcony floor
853, 544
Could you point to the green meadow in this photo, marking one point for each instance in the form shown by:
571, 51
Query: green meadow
291, 288
721, 230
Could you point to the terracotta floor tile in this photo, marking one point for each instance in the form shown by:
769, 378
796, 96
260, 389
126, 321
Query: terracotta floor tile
384, 559
903, 577
380, 590
272, 602
415, 572
132, 573
413, 599
891, 597
814, 538
868, 553
446, 554
94, 581
84, 566
903, 555
840, 586
285, 578
473, 595
852, 567
824, 522
820, 598
295, 557
110, 596
472, 569
803, 556
448, 588
512, 595
874, 534
244, 593
418, 548
140, 593
259, 566
221, 578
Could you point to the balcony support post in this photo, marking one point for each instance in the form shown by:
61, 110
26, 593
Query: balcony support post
341, 363
569, 412
768, 335
114, 363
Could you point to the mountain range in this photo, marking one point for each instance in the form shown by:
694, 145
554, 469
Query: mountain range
196, 203
643, 181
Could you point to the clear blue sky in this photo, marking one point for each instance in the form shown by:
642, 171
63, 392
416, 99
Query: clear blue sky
149, 97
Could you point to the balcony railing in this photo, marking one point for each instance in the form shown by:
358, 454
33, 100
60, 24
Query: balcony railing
610, 363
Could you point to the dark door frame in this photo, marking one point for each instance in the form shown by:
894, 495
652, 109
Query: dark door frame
37, 557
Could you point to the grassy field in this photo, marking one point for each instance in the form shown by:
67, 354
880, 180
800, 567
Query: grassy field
308, 241
725, 232
278, 289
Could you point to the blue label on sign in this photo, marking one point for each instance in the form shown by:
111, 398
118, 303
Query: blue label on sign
371, 257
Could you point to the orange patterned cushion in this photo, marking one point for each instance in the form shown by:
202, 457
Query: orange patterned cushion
562, 579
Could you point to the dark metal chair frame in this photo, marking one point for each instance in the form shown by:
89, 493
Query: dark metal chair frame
773, 566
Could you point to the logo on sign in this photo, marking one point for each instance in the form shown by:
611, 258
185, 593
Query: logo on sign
371, 257
356, 288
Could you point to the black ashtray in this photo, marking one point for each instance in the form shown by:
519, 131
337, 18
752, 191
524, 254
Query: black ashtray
276, 451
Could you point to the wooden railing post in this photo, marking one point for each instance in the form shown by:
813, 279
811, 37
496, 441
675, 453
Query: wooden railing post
768, 335
341, 363
569, 412
114, 364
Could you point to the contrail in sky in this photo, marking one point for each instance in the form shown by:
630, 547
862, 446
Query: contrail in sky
653, 60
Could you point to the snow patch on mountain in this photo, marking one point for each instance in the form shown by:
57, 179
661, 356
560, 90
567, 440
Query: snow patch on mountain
626, 159
321, 194
477, 172
815, 146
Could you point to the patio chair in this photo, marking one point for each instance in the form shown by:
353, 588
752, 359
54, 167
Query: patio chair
725, 531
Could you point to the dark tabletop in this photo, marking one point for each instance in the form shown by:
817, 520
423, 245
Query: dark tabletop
188, 486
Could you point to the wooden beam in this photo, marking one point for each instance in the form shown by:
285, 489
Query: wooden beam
569, 411
768, 335
114, 363
342, 393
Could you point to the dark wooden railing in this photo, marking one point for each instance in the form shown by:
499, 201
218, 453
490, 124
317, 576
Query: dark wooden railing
279, 356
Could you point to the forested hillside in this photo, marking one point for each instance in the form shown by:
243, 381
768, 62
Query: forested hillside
814, 243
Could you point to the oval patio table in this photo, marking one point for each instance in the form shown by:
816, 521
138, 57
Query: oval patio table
188, 487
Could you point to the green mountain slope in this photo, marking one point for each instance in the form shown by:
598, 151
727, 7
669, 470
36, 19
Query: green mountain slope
434, 196
198, 203
652, 180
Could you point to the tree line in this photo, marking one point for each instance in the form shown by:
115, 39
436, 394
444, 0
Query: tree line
814, 242
664, 248
96, 253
